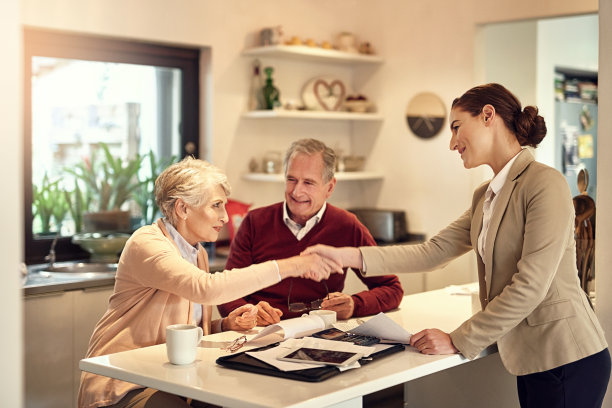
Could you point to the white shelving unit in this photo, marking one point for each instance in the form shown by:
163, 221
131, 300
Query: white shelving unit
300, 114
313, 54
340, 176
304, 52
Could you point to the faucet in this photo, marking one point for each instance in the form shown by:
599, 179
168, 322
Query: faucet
51, 256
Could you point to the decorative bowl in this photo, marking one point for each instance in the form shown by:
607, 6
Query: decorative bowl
102, 247
357, 106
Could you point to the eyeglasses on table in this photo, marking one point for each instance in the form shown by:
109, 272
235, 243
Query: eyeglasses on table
299, 307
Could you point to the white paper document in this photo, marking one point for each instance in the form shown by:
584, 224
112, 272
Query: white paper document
383, 327
296, 327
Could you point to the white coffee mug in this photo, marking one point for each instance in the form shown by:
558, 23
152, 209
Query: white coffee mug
181, 342
328, 316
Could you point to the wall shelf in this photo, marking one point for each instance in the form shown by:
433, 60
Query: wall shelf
340, 176
300, 114
304, 52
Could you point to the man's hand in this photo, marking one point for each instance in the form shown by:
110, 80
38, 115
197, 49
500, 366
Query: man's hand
433, 341
267, 314
241, 319
312, 266
341, 303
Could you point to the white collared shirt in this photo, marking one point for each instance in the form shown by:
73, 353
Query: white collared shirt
300, 231
489, 204
189, 253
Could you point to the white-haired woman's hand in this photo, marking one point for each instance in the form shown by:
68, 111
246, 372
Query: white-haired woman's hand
241, 319
311, 266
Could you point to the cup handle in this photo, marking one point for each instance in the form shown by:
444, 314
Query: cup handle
200, 335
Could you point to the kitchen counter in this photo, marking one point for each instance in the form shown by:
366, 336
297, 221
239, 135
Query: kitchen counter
37, 282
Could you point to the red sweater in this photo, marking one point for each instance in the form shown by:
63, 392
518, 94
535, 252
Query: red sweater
263, 236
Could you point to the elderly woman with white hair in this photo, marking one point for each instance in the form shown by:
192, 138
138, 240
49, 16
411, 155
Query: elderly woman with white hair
162, 279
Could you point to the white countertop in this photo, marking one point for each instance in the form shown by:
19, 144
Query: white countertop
205, 381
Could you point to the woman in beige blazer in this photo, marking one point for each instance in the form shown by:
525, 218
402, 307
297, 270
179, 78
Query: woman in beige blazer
521, 228
162, 279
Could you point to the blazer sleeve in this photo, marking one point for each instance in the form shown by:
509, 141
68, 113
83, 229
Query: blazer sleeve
450, 243
384, 292
548, 226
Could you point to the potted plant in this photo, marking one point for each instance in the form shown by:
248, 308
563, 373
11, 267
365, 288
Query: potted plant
49, 205
108, 185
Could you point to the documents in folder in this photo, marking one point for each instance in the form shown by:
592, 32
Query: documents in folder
383, 327
296, 327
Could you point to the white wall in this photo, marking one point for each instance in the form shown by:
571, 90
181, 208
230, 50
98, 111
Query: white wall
11, 206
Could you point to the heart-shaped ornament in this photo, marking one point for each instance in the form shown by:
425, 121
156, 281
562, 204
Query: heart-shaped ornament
329, 94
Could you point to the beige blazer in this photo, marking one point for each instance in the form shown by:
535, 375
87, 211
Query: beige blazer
533, 306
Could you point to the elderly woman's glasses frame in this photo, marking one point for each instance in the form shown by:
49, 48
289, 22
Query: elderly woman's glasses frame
235, 345
299, 307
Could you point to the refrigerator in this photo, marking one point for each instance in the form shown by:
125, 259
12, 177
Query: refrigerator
576, 126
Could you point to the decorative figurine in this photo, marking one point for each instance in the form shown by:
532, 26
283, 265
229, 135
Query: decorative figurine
271, 36
271, 95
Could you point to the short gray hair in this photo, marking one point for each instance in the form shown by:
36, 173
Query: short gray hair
191, 180
310, 147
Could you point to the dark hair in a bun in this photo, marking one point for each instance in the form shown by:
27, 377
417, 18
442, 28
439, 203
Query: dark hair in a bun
528, 127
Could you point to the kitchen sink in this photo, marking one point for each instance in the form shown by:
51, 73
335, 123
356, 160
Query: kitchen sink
79, 270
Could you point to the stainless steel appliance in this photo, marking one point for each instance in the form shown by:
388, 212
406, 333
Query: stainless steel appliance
386, 226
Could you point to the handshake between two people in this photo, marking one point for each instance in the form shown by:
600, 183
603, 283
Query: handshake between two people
318, 262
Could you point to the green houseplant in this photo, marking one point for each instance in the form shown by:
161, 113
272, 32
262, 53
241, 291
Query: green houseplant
108, 184
49, 205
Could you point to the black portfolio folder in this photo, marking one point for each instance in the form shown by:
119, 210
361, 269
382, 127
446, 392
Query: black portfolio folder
244, 362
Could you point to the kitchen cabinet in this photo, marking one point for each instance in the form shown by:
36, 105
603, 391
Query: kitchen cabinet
317, 56
58, 326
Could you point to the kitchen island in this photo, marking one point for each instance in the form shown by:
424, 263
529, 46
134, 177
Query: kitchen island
206, 381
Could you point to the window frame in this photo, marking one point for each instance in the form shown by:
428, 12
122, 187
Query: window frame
48, 43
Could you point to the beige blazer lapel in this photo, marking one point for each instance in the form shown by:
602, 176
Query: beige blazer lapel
501, 204
502, 201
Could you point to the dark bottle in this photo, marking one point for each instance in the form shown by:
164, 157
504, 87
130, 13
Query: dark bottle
271, 94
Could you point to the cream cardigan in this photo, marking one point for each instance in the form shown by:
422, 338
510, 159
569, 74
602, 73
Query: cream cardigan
156, 287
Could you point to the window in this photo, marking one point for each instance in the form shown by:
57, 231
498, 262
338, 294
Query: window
85, 95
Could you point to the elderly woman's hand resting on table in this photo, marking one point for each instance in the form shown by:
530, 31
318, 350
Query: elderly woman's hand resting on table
241, 319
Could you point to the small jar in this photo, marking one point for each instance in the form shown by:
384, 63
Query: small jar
272, 162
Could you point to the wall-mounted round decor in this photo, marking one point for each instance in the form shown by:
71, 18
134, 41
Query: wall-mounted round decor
425, 115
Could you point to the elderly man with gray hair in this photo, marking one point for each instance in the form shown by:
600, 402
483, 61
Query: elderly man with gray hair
304, 219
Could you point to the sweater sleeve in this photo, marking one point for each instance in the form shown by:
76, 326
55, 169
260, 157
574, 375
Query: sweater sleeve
152, 261
240, 256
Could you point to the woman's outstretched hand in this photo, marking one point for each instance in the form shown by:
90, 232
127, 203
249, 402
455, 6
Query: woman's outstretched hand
311, 266
344, 256
433, 341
